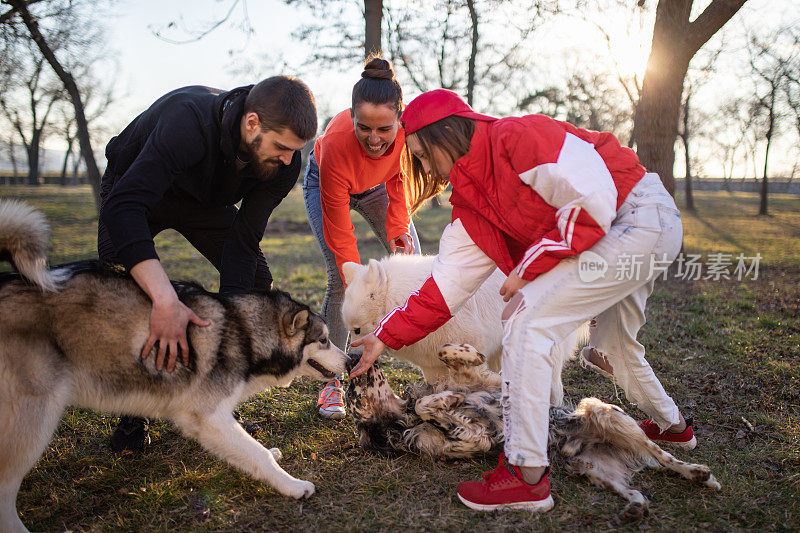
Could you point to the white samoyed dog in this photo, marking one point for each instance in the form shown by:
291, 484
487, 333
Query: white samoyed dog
375, 289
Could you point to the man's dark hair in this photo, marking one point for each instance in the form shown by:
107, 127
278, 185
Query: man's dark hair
284, 102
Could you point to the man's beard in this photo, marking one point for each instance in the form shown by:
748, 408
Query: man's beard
264, 169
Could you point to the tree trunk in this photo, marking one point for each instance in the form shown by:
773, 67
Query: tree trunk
655, 124
685, 138
689, 193
14, 168
762, 207
473, 15
33, 151
66, 160
84, 139
373, 17
675, 41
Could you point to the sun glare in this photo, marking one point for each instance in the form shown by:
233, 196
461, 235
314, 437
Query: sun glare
630, 58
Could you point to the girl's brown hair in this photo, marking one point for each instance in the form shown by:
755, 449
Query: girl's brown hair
452, 135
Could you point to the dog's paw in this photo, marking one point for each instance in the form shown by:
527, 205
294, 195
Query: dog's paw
458, 355
276, 453
634, 512
298, 489
443, 401
712, 482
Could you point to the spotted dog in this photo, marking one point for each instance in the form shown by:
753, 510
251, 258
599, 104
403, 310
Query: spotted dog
460, 416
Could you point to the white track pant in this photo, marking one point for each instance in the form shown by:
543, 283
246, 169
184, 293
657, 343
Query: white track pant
647, 231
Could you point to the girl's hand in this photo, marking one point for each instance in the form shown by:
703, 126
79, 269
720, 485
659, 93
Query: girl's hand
372, 349
406, 242
512, 284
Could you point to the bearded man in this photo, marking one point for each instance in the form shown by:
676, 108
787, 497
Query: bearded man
184, 164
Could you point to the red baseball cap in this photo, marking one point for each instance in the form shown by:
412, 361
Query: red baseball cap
435, 105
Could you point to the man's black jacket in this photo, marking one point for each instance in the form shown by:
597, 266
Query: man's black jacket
184, 147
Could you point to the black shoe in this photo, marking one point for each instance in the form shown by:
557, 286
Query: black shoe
251, 427
130, 436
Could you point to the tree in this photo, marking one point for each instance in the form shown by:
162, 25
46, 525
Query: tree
676, 39
591, 100
29, 95
772, 60
477, 48
696, 78
19, 9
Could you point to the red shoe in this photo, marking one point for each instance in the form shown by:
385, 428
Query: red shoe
684, 440
503, 488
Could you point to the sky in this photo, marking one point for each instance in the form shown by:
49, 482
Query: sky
147, 67
151, 67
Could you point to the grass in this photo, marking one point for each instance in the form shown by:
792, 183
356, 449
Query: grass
728, 351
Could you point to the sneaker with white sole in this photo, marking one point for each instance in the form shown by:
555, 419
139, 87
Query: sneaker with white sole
329, 404
684, 439
504, 488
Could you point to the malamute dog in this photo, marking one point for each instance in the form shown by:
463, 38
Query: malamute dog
460, 416
373, 290
72, 336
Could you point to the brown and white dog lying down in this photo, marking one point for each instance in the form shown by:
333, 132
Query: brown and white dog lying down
460, 416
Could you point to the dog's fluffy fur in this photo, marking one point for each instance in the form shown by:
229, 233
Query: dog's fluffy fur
375, 289
72, 336
460, 416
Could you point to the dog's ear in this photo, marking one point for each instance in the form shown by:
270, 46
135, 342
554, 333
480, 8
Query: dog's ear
376, 275
294, 323
349, 270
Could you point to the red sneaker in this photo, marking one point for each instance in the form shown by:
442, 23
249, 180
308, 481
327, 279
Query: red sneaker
503, 488
684, 440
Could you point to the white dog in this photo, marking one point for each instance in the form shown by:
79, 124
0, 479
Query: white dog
374, 290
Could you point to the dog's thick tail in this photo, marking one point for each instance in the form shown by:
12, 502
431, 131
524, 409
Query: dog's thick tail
24, 238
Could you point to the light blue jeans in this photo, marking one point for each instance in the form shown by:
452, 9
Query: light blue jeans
372, 205
647, 231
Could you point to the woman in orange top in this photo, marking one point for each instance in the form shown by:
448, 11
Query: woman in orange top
356, 164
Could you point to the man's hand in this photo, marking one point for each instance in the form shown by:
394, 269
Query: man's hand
168, 322
406, 242
168, 317
373, 347
512, 284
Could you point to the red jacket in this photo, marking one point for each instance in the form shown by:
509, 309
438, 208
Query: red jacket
530, 192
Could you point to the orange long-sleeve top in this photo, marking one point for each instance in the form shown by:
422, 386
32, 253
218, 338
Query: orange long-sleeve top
345, 169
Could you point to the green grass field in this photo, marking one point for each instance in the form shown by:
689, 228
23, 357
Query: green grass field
728, 351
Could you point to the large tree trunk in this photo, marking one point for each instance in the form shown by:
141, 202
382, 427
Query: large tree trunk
373, 17
675, 41
93, 173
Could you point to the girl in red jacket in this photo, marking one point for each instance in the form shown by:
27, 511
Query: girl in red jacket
529, 195
356, 165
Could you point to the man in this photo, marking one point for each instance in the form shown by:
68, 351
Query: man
184, 164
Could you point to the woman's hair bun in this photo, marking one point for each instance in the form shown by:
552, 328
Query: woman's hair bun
378, 85
378, 68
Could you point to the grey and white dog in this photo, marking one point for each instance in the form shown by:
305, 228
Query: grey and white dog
72, 336
460, 416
